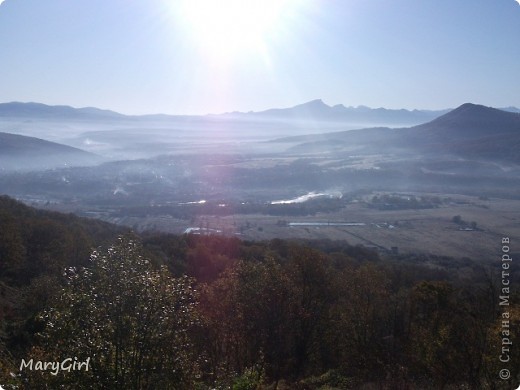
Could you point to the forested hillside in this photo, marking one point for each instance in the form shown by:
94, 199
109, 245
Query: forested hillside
210, 312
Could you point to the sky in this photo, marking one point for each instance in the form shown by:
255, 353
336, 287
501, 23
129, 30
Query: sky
194, 57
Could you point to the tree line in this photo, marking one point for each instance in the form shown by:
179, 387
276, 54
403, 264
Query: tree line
195, 312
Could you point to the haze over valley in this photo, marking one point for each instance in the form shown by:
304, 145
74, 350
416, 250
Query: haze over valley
297, 172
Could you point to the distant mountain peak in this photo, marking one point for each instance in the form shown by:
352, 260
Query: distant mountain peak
361, 116
318, 102
472, 107
479, 109
476, 111
474, 120
314, 104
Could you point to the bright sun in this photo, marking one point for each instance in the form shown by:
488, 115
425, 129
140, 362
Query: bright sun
225, 27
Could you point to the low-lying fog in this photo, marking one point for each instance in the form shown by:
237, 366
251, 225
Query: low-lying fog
132, 139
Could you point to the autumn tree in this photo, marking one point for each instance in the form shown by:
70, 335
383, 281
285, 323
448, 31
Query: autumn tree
442, 330
12, 251
131, 320
250, 314
310, 273
361, 326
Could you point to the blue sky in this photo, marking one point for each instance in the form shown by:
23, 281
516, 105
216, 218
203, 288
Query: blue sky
151, 56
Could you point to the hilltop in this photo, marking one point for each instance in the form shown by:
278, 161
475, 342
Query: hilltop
23, 153
470, 130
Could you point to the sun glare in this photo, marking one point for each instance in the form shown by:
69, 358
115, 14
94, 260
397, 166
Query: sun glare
226, 27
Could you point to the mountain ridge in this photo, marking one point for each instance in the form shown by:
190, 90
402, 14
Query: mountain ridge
16, 108
317, 110
40, 110
470, 130
314, 110
475, 115
22, 152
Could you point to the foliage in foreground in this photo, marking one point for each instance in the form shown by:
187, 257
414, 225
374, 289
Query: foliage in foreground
250, 315
131, 320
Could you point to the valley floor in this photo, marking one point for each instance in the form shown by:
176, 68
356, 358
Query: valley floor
433, 231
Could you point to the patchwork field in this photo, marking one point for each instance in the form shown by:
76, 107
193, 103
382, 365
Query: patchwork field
431, 231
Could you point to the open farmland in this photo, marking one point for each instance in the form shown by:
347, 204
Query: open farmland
428, 231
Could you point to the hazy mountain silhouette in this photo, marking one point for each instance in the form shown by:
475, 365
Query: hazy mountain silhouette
474, 131
470, 130
43, 111
312, 110
472, 120
510, 109
22, 153
317, 110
